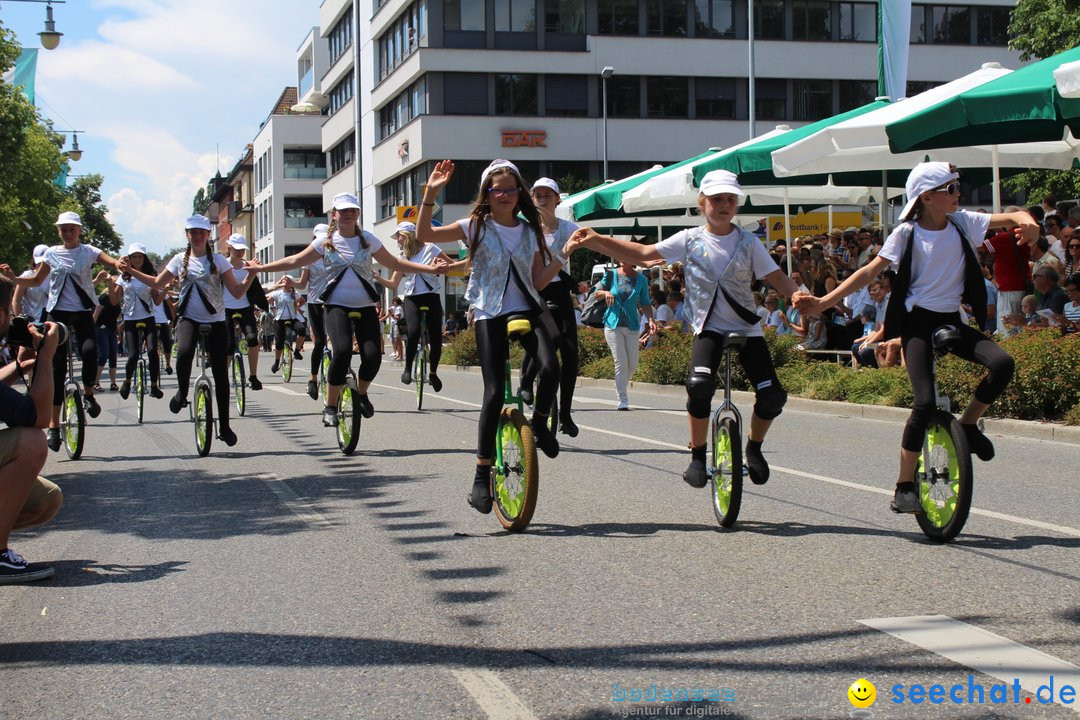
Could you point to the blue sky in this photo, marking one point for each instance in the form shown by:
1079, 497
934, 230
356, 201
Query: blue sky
157, 86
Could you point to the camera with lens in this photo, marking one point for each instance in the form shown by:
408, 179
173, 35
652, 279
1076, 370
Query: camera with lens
19, 332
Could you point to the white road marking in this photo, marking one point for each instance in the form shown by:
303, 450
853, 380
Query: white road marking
284, 391
297, 505
983, 651
492, 695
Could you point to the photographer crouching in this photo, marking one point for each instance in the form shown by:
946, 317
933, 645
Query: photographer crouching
25, 498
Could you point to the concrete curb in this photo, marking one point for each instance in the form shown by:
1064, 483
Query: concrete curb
994, 426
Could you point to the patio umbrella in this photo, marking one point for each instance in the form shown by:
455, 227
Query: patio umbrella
1067, 78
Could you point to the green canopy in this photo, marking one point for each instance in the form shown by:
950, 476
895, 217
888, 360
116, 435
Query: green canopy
1023, 106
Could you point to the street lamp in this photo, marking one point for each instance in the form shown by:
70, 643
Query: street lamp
50, 38
607, 72
75, 153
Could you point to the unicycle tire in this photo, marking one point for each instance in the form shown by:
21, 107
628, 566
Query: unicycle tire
419, 373
73, 422
236, 375
324, 368
349, 418
140, 389
203, 414
944, 489
727, 478
515, 483
553, 416
286, 364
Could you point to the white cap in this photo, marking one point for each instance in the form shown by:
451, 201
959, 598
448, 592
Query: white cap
197, 222
547, 183
495, 165
136, 247
721, 181
344, 201
39, 252
320, 229
238, 241
69, 218
924, 177
404, 227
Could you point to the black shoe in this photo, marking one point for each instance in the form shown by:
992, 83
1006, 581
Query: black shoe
979, 444
366, 408
91, 405
905, 500
526, 395
155, 392
275, 366
695, 474
406, 378
255, 383
168, 369
125, 389
567, 426
297, 355
480, 496
313, 389
545, 439
227, 435
329, 416
177, 403
15, 569
435, 382
53, 438
755, 462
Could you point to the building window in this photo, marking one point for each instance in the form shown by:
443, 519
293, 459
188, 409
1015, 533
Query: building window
769, 20
992, 25
813, 99
623, 96
403, 190
914, 87
665, 17
667, 97
341, 94
714, 98
464, 15
515, 95
515, 16
409, 104
856, 93
566, 95
617, 17
462, 188
713, 18
465, 94
303, 212
811, 20
304, 164
564, 16
770, 99
918, 24
402, 37
340, 37
858, 22
952, 24
341, 155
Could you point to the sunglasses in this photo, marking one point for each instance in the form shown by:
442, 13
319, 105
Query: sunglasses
500, 192
950, 189
1074, 247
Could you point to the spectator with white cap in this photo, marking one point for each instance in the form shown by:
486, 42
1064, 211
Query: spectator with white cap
418, 290
136, 300
238, 246
30, 301
203, 276
933, 253
313, 280
347, 253
71, 301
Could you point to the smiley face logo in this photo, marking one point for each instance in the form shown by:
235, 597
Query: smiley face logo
862, 693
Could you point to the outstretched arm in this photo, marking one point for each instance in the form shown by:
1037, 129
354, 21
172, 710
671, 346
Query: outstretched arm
621, 250
305, 257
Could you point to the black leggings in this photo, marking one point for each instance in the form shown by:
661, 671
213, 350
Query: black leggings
131, 340
248, 326
317, 325
339, 326
559, 294
756, 362
919, 326
279, 331
492, 344
217, 347
165, 335
82, 322
412, 304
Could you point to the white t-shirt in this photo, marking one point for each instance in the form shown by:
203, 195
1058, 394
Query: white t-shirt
511, 237
232, 302
160, 316
721, 318
284, 304
937, 262
135, 288
350, 292
664, 313
195, 310
69, 299
549, 238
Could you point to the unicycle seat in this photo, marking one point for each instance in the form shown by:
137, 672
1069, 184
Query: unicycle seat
945, 339
732, 341
518, 325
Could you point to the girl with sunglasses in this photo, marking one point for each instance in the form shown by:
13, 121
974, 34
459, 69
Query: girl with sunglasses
933, 252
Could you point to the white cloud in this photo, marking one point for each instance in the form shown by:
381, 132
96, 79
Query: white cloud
101, 69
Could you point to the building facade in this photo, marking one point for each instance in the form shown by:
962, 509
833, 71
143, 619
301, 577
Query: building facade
233, 201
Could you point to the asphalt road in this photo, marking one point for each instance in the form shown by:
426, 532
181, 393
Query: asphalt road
280, 579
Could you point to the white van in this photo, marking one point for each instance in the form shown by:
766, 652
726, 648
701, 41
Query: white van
598, 272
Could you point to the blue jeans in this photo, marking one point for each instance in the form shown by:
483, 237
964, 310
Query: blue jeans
106, 347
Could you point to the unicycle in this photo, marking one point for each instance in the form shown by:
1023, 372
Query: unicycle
943, 475
324, 368
724, 459
515, 476
420, 362
287, 352
140, 371
348, 411
72, 413
202, 404
236, 366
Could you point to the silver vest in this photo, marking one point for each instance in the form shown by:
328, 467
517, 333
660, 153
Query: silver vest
491, 269
336, 265
284, 301
420, 283
209, 284
77, 272
33, 298
701, 284
316, 281
138, 303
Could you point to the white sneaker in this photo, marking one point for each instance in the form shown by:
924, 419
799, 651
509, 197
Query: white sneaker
623, 405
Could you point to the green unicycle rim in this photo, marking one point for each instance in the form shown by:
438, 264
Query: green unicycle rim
937, 506
510, 498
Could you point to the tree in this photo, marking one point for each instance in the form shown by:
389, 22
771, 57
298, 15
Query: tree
84, 197
1039, 29
201, 202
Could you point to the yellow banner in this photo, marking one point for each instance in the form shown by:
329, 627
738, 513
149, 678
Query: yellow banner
407, 212
814, 223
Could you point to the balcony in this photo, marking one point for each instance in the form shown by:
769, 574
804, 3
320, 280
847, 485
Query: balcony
307, 81
303, 221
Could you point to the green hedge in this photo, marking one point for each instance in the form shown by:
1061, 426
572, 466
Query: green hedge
1046, 384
